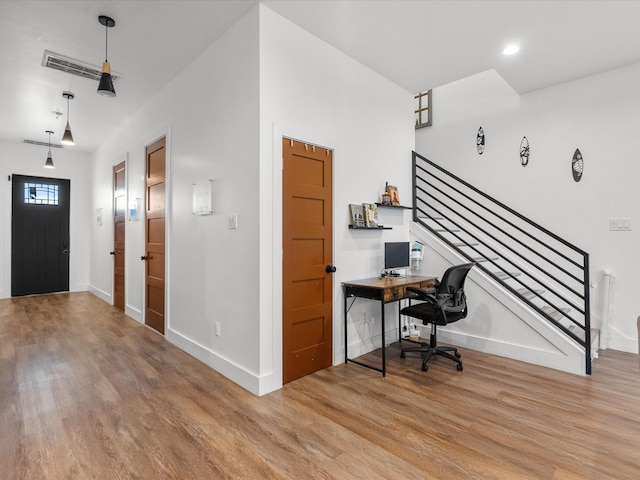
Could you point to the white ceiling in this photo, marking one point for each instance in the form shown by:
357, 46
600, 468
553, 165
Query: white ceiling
416, 44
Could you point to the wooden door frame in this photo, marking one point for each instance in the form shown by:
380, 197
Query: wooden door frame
166, 133
273, 262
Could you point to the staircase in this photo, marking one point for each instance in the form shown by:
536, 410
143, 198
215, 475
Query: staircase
534, 267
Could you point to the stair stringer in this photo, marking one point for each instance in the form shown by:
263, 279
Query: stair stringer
498, 323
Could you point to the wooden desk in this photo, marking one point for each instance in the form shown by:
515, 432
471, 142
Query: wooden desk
385, 290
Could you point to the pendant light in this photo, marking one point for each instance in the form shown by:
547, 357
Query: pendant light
67, 138
105, 87
49, 162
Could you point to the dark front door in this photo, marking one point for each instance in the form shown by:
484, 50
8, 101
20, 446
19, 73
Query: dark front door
39, 235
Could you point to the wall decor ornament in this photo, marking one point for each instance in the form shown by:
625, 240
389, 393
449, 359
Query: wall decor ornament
524, 152
480, 141
577, 165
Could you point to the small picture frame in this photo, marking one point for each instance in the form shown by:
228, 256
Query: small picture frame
357, 216
393, 193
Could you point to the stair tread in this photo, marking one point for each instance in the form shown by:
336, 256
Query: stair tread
595, 332
554, 312
526, 293
464, 244
506, 275
485, 259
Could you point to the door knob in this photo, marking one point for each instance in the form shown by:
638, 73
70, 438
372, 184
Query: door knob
143, 257
330, 269
112, 253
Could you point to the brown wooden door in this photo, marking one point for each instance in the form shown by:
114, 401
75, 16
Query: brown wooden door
119, 221
307, 244
155, 254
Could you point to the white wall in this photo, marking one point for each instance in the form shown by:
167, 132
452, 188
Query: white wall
225, 116
210, 116
600, 116
25, 159
311, 92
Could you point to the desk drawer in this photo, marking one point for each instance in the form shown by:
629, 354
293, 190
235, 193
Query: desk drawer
428, 285
393, 293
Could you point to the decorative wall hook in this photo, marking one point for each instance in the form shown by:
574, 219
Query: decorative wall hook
577, 165
480, 141
524, 152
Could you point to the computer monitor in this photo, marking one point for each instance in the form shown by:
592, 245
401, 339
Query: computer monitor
396, 255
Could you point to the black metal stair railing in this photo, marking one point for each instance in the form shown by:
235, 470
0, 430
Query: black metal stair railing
543, 270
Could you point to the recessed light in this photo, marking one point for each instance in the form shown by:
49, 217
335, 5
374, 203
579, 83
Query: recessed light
511, 49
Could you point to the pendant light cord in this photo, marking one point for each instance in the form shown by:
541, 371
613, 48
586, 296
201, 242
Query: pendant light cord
106, 41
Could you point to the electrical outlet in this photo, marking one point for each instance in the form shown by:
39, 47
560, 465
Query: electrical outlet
620, 224
217, 329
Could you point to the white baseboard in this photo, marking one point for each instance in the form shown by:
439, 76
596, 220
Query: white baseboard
574, 363
616, 340
251, 382
101, 294
134, 313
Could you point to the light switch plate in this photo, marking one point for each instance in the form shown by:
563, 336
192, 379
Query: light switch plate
233, 221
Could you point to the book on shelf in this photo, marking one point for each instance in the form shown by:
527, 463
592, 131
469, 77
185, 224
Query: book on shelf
357, 217
370, 215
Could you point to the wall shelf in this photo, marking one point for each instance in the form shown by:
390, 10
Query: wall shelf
393, 206
369, 228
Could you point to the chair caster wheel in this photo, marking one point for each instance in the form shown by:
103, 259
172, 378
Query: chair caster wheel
424, 368
457, 354
459, 367
402, 355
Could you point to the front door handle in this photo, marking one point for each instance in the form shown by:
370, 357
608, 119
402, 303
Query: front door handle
330, 269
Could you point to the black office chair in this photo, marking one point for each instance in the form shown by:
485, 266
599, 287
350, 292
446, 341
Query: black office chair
447, 304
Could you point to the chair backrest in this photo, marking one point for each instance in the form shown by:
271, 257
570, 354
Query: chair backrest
452, 286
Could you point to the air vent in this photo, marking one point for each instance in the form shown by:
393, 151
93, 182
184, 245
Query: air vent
74, 67
42, 144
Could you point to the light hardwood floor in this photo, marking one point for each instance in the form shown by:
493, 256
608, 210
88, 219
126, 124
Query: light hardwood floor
86, 392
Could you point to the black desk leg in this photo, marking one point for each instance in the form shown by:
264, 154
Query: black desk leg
384, 359
346, 355
399, 322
